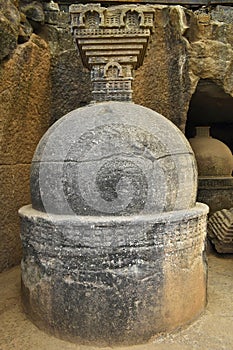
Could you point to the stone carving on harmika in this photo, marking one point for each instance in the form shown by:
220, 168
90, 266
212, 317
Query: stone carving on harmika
112, 42
113, 241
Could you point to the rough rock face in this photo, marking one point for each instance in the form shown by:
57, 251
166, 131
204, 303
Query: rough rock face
34, 12
34, 75
24, 116
70, 82
9, 24
186, 46
163, 82
211, 52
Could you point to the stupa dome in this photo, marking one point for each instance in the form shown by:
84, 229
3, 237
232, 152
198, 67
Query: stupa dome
213, 157
113, 158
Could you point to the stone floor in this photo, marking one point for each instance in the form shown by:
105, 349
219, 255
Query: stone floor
212, 331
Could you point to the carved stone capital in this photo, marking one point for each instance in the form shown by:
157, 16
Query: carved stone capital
112, 42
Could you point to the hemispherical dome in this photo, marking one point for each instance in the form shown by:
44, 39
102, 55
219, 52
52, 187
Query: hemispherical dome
213, 157
113, 158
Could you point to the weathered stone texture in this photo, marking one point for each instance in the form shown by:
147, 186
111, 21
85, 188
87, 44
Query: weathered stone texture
9, 25
14, 193
33, 11
216, 192
25, 98
113, 225
106, 161
186, 46
220, 230
113, 280
163, 82
70, 81
211, 54
24, 117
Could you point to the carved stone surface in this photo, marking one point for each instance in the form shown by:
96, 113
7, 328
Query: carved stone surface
117, 158
113, 242
165, 82
220, 230
112, 42
113, 280
216, 192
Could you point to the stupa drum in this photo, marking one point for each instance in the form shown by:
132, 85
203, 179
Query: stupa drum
113, 241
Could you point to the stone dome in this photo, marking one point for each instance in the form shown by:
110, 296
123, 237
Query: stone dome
213, 157
113, 158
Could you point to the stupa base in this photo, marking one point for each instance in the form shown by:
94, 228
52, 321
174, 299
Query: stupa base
113, 280
216, 192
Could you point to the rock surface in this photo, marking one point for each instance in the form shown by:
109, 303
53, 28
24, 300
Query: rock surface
220, 230
113, 159
9, 25
113, 242
113, 280
24, 117
186, 46
212, 330
168, 88
216, 192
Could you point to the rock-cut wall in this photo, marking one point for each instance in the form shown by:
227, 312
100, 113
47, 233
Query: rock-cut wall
42, 78
24, 117
186, 46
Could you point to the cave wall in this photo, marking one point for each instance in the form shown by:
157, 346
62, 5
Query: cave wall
186, 46
24, 115
42, 78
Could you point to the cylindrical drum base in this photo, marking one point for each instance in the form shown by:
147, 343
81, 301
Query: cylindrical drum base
113, 280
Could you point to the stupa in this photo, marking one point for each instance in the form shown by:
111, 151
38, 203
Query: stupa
113, 243
215, 168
